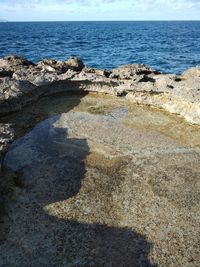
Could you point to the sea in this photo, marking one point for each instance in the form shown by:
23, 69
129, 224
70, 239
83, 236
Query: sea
167, 46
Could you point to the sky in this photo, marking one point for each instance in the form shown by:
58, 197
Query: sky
81, 10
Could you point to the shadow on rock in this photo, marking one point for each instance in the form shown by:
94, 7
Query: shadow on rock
53, 168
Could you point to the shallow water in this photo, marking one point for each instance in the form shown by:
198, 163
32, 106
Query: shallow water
105, 183
134, 116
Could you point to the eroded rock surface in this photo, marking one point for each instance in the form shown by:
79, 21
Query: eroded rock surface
10, 64
6, 137
192, 72
108, 183
105, 184
140, 83
102, 182
131, 71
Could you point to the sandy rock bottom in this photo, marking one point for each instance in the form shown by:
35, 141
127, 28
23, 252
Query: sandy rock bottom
111, 186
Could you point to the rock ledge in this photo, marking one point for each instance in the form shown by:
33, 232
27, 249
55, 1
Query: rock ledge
22, 82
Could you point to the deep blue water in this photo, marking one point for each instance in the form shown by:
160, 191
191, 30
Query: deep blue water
165, 46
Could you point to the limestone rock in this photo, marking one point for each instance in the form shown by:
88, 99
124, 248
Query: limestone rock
52, 65
19, 76
12, 87
130, 71
60, 67
5, 73
15, 94
70, 74
169, 102
103, 72
75, 63
15, 61
6, 136
191, 73
36, 76
127, 180
10, 64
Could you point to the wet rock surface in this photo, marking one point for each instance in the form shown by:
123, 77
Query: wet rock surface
105, 183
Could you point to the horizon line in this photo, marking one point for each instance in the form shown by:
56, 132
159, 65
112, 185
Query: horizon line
153, 20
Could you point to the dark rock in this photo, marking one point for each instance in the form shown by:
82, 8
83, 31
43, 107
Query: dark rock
6, 136
5, 73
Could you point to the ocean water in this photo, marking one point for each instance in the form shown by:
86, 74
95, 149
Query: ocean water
170, 47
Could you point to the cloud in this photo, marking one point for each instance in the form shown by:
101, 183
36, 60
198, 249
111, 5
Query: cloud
22, 3
16, 2
100, 9
147, 3
174, 4
132, 1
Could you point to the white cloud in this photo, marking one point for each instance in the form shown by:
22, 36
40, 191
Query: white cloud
100, 9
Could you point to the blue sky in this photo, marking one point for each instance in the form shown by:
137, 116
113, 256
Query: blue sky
55, 10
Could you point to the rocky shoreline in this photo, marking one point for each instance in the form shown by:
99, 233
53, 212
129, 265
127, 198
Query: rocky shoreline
23, 82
